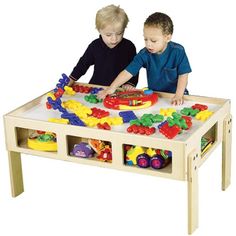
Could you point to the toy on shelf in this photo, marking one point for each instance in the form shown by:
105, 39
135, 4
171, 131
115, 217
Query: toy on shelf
206, 143
156, 159
82, 150
102, 148
130, 100
105, 154
131, 153
42, 141
161, 159
147, 157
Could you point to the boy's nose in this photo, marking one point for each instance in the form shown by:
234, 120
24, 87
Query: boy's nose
113, 38
148, 44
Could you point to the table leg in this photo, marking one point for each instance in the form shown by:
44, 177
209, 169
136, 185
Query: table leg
226, 152
15, 173
193, 192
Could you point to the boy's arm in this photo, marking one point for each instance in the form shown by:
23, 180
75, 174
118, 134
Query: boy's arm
129, 55
123, 77
133, 81
131, 84
83, 64
178, 98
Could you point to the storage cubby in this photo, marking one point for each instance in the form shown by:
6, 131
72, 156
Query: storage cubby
208, 139
147, 157
21, 137
93, 149
36, 139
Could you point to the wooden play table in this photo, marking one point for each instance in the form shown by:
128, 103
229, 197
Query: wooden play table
185, 148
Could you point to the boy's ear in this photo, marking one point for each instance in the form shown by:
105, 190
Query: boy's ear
168, 37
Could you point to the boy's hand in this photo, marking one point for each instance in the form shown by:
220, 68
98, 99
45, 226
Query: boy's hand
71, 82
103, 93
177, 100
128, 87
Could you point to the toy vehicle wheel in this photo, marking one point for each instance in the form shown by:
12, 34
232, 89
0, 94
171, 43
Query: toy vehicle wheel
143, 160
157, 162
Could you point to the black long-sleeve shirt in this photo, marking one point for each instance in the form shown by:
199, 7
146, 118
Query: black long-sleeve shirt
108, 62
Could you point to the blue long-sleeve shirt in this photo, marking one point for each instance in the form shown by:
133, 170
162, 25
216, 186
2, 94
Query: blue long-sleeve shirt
108, 62
162, 69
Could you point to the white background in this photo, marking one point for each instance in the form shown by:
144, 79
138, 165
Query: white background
42, 39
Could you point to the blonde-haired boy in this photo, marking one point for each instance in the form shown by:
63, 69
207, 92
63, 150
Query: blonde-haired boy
110, 53
111, 14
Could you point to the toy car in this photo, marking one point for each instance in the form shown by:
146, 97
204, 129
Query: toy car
144, 158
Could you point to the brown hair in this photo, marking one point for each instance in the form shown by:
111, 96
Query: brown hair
162, 21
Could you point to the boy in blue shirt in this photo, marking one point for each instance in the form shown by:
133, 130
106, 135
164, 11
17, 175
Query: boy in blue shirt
166, 62
110, 53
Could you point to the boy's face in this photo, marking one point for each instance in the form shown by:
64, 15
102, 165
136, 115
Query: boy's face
112, 34
155, 40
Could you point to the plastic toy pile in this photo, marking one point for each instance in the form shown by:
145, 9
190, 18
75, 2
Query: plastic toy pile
42, 141
73, 112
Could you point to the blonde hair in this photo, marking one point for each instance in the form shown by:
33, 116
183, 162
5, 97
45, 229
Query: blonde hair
111, 15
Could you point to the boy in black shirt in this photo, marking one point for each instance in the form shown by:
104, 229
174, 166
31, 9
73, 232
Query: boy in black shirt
110, 53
